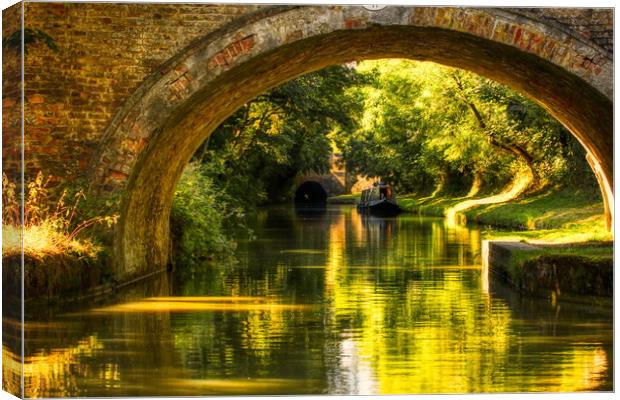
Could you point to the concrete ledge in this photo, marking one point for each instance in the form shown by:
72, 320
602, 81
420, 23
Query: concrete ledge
575, 275
548, 275
497, 256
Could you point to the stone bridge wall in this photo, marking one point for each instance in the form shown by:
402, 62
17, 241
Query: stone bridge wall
107, 50
134, 89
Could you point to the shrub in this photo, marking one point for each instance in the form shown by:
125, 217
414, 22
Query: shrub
199, 213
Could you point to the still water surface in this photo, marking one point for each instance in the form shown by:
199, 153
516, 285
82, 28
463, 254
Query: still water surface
323, 302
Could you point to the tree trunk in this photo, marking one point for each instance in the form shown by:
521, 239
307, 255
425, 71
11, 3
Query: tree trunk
440, 185
514, 149
475, 185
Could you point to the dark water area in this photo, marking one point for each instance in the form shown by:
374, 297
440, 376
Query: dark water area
323, 301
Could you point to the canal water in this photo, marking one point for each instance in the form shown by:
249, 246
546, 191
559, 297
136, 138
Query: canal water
322, 301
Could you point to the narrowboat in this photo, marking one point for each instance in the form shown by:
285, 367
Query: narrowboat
379, 199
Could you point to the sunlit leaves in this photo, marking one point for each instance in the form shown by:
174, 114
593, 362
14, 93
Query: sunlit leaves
422, 122
255, 154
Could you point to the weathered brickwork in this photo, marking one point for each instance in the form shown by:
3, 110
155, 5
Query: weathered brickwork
591, 24
105, 52
135, 88
527, 34
11, 95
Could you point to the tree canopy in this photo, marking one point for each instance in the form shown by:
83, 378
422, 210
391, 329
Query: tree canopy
425, 125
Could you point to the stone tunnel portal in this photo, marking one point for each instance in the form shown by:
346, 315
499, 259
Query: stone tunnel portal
310, 192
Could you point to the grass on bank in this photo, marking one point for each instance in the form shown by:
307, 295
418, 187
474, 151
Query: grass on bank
591, 229
42, 240
550, 216
51, 223
599, 250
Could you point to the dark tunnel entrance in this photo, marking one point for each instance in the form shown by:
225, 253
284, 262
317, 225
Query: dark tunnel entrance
310, 192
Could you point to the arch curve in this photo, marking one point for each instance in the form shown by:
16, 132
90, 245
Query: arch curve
154, 135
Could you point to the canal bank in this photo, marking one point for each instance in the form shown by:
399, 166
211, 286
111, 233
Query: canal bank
537, 215
50, 275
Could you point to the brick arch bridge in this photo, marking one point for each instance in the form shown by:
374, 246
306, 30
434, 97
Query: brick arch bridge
146, 131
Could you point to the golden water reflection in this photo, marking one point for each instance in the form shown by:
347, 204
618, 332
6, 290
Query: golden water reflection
197, 304
332, 302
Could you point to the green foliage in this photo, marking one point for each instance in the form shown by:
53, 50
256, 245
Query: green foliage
256, 153
253, 157
390, 140
425, 126
558, 157
199, 213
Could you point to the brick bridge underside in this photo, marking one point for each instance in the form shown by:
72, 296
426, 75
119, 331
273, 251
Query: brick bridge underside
134, 89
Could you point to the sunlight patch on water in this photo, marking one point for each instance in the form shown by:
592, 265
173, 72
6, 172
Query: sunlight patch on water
442, 267
302, 251
207, 299
198, 304
455, 267
235, 386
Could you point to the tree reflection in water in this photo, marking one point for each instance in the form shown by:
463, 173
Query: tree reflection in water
324, 302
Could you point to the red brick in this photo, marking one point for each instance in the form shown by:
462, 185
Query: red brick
118, 175
36, 99
8, 102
